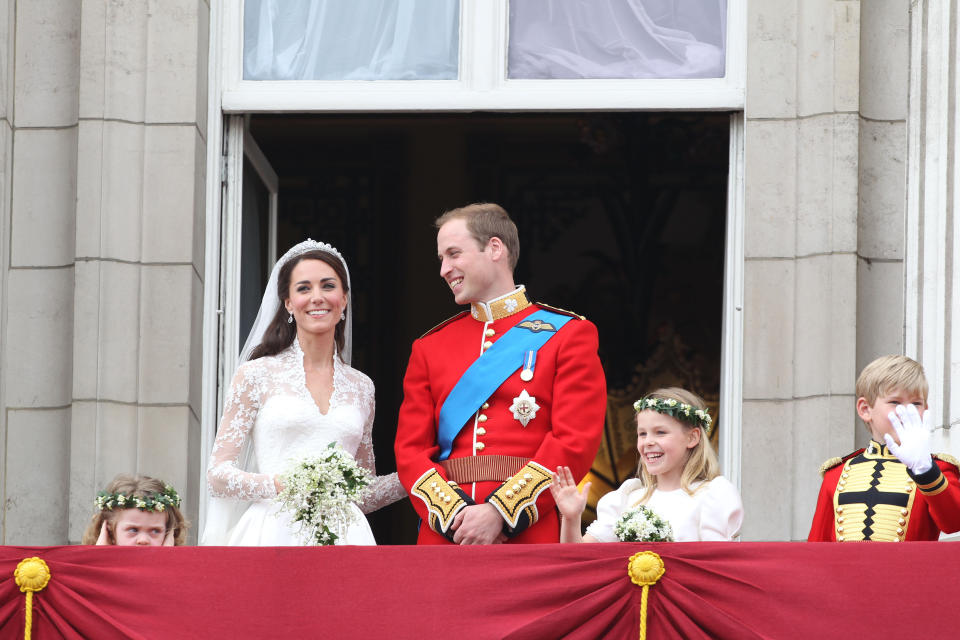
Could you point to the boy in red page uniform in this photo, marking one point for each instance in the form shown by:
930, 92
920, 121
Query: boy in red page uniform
894, 490
495, 397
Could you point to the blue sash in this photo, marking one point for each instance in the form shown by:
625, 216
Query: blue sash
490, 370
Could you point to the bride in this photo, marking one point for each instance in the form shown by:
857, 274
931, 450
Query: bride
293, 393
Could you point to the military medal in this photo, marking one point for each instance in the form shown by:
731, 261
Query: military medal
529, 360
524, 408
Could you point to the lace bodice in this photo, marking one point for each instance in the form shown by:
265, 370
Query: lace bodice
270, 405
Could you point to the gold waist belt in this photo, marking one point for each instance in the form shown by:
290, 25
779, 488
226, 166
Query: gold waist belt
492, 468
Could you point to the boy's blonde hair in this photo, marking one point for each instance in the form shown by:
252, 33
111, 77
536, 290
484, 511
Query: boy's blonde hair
890, 373
140, 486
701, 465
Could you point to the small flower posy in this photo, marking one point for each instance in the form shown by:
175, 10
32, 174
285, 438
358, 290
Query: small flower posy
319, 493
642, 524
678, 410
150, 502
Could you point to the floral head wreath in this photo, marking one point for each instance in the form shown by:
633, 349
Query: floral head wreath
150, 502
677, 410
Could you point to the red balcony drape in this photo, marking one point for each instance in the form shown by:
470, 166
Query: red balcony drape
709, 590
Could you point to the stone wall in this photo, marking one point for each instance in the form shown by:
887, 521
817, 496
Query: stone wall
801, 164
826, 148
932, 324
104, 129
881, 245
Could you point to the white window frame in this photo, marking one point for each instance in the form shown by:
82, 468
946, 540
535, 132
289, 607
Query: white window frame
932, 243
221, 295
236, 153
482, 86
482, 83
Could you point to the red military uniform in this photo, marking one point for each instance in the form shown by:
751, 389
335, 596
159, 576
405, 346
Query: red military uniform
871, 495
494, 457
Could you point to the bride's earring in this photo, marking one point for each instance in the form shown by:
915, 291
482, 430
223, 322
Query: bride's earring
290, 319
343, 315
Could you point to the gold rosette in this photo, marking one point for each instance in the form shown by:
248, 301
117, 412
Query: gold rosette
644, 569
32, 574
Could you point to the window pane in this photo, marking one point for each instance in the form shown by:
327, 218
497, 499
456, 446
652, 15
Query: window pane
617, 39
350, 39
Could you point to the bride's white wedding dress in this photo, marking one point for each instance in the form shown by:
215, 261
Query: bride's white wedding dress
270, 420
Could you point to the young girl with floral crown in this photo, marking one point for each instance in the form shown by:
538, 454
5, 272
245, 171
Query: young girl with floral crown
678, 478
135, 510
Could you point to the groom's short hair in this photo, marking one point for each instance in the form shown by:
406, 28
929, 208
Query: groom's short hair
487, 220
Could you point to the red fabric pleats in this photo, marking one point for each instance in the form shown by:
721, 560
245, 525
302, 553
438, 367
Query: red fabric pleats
709, 590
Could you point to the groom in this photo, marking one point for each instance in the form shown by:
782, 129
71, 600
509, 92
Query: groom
495, 398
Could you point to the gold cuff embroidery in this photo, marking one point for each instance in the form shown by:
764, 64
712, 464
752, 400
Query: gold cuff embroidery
521, 492
440, 496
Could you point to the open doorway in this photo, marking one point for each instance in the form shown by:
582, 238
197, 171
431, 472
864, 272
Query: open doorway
622, 218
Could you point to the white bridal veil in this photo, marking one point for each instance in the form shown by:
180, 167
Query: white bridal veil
271, 301
223, 513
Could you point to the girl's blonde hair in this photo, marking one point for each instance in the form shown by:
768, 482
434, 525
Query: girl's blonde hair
140, 486
701, 465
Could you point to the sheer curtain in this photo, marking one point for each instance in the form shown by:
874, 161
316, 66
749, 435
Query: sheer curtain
617, 39
350, 39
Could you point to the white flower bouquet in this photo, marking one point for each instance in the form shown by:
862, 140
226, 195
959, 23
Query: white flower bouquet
319, 492
642, 524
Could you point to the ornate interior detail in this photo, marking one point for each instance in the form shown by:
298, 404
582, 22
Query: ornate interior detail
671, 364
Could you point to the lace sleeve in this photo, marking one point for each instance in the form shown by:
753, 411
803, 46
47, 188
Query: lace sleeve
224, 476
385, 489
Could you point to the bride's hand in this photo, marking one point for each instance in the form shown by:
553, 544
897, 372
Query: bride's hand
277, 484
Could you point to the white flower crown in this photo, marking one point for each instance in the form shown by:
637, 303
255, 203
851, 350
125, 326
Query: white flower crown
676, 409
150, 502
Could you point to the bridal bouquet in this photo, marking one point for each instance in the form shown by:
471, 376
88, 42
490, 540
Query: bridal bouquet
319, 492
642, 524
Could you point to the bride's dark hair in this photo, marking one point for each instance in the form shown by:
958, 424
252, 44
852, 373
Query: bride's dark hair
280, 334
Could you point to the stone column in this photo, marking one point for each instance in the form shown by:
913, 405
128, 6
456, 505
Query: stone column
932, 260
884, 53
139, 247
801, 168
38, 142
102, 161
6, 157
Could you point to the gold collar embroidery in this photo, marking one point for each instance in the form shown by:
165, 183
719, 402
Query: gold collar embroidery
876, 450
498, 308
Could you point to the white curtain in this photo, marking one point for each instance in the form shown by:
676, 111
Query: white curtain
617, 39
350, 39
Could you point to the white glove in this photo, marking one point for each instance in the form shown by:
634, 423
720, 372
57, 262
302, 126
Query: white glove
914, 435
